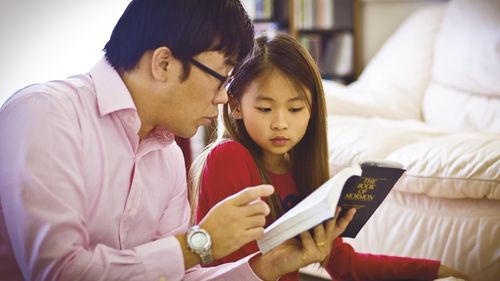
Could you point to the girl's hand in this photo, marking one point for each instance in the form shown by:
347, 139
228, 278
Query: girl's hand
293, 254
445, 271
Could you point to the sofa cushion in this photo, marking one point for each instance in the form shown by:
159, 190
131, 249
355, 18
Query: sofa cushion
465, 165
439, 164
352, 139
465, 89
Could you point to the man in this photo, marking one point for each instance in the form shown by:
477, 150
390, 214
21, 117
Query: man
92, 186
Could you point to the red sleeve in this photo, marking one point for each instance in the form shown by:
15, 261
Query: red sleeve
346, 264
229, 168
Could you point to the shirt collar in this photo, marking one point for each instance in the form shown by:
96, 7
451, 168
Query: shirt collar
112, 95
111, 92
162, 135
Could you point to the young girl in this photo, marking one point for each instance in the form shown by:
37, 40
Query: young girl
275, 125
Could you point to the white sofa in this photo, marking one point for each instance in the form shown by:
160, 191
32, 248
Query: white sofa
430, 99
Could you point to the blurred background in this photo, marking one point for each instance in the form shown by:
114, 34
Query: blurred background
52, 39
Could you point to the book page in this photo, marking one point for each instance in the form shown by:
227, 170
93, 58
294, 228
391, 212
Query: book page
329, 192
313, 210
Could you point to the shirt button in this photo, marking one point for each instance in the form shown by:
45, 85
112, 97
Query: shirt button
131, 119
162, 278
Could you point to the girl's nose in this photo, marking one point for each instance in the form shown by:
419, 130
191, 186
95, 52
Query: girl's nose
279, 122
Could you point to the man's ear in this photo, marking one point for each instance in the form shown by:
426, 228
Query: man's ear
161, 63
234, 108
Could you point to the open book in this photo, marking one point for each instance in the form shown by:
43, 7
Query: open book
363, 187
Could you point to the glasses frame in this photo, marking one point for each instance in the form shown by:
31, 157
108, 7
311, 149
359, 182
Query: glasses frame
223, 79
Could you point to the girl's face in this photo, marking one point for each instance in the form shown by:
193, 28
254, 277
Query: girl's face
275, 114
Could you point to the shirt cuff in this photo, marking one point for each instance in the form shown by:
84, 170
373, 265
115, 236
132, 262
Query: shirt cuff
163, 259
239, 270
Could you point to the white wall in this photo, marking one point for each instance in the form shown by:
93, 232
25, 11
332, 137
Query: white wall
43, 40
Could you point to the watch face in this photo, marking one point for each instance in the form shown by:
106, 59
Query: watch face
199, 240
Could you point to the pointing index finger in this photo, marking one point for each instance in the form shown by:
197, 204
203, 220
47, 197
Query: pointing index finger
251, 194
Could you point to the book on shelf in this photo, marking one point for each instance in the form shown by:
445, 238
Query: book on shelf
363, 187
339, 55
312, 43
323, 14
259, 9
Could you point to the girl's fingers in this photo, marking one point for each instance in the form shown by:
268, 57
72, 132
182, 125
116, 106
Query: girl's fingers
337, 212
346, 218
318, 248
336, 226
330, 229
307, 240
320, 235
323, 240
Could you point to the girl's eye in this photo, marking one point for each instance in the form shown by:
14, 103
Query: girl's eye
296, 109
263, 109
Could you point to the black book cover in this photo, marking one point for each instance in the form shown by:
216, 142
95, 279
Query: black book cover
366, 193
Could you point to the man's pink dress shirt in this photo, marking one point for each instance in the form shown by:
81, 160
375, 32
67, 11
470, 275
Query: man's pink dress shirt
82, 198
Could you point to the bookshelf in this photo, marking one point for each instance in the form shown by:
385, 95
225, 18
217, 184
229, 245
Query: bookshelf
324, 27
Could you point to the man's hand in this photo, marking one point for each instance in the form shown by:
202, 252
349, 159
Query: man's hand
237, 220
293, 254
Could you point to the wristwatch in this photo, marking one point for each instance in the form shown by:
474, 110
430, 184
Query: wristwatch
200, 243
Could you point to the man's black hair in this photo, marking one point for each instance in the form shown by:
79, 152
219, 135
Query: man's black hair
187, 27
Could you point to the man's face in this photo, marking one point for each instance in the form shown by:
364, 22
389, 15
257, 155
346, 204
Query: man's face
193, 102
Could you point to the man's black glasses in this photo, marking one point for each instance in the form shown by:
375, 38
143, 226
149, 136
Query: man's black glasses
222, 79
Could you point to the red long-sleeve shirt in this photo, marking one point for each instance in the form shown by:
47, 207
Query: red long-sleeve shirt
230, 168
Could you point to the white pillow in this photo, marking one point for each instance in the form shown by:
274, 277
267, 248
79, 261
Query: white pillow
467, 52
399, 73
465, 90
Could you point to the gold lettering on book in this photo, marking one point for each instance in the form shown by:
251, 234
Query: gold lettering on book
359, 197
363, 189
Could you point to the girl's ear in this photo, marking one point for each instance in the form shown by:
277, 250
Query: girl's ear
234, 108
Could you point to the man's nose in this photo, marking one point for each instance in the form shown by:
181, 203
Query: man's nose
221, 96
